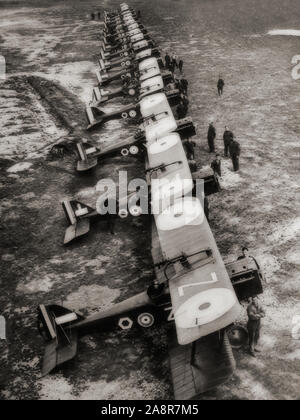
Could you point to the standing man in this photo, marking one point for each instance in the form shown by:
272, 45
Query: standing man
174, 62
180, 66
193, 166
220, 86
167, 61
235, 151
255, 313
111, 221
216, 165
184, 85
185, 101
181, 111
211, 135
189, 146
227, 138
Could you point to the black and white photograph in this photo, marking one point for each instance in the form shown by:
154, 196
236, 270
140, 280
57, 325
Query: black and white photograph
149, 202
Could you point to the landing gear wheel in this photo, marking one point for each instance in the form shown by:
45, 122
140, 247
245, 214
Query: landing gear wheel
155, 291
127, 63
124, 115
42, 330
145, 320
237, 335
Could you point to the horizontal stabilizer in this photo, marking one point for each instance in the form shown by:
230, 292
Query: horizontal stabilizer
55, 355
80, 228
85, 165
55, 325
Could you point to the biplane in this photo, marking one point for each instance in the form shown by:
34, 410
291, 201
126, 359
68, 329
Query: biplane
127, 61
126, 50
122, 36
192, 289
132, 72
160, 120
80, 215
133, 89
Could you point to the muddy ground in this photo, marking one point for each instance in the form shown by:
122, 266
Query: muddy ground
50, 49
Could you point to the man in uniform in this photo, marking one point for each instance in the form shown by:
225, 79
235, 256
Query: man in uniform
167, 61
227, 138
235, 151
211, 135
181, 111
184, 85
180, 65
216, 165
193, 165
189, 146
255, 313
220, 86
174, 63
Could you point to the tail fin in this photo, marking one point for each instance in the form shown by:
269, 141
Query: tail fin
77, 215
86, 159
55, 324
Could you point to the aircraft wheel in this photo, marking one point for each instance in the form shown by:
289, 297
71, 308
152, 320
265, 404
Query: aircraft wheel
123, 213
135, 211
132, 113
42, 331
127, 63
124, 115
123, 64
125, 54
145, 320
122, 54
123, 76
128, 75
124, 152
134, 150
238, 336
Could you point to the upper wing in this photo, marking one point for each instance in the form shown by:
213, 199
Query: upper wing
203, 298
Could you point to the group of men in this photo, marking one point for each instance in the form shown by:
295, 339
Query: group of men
231, 145
94, 15
171, 63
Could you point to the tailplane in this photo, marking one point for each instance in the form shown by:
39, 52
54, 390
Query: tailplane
55, 325
78, 216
